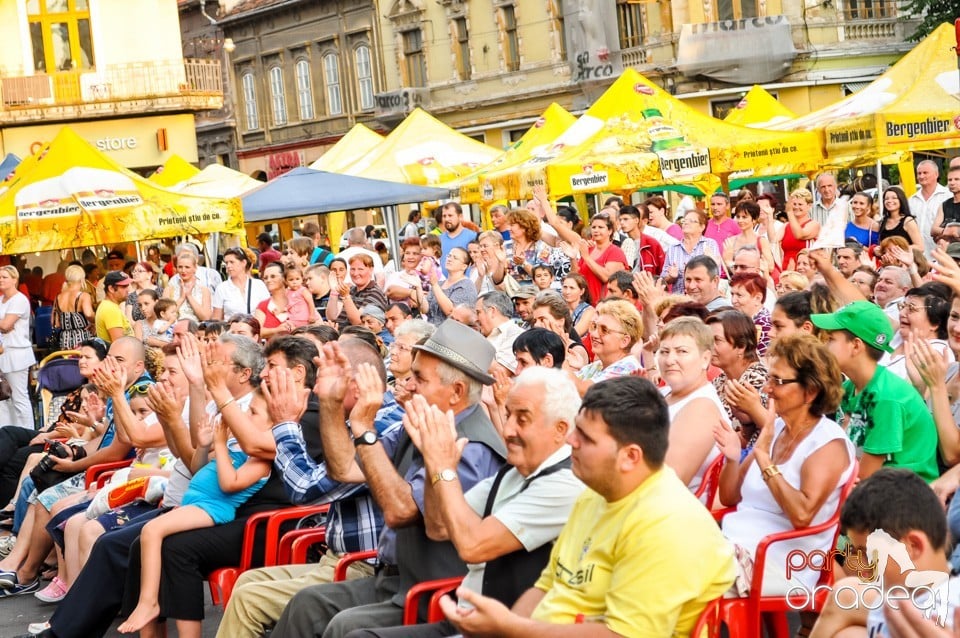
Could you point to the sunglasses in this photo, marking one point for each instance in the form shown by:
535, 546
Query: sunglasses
140, 388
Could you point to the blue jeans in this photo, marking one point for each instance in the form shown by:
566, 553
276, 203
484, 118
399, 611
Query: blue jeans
20, 508
953, 524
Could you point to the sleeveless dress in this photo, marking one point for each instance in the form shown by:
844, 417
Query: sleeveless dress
896, 231
204, 491
186, 310
74, 327
865, 236
759, 514
791, 246
706, 391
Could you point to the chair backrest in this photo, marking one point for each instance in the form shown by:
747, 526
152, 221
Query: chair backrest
707, 491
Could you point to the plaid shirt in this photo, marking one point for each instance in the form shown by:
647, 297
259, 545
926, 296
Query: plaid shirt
678, 256
354, 521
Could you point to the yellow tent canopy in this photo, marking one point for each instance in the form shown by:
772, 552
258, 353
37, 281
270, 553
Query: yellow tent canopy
217, 180
174, 170
554, 121
637, 136
358, 141
913, 106
423, 150
71, 195
758, 109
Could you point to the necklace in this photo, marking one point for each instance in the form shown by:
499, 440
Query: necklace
785, 450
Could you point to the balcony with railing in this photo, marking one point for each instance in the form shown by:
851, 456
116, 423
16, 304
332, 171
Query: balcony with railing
192, 85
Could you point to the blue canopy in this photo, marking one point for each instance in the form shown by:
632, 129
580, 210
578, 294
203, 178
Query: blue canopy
304, 191
9, 163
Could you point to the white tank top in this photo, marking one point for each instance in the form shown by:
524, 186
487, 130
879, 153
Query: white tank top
706, 391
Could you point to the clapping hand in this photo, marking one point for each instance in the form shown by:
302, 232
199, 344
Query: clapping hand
434, 433
370, 391
205, 431
188, 353
728, 441
333, 374
286, 399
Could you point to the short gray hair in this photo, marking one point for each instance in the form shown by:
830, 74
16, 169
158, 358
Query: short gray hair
449, 375
903, 275
499, 300
491, 234
417, 327
931, 164
356, 237
558, 395
246, 354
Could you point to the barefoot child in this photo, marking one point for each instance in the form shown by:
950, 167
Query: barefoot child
215, 492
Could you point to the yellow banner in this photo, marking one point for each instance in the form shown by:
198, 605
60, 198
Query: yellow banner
70, 195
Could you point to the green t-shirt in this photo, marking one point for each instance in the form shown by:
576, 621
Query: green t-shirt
890, 419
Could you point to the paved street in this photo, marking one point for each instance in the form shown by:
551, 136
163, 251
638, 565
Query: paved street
17, 613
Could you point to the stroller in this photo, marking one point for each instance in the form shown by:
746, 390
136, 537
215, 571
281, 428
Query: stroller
58, 374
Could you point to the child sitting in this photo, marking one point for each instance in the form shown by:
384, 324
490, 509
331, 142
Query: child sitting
300, 308
215, 492
430, 261
167, 312
543, 278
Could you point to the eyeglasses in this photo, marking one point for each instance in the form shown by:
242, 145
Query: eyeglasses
775, 380
602, 330
743, 267
910, 307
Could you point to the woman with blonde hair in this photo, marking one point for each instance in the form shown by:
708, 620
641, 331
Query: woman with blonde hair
791, 281
616, 328
17, 355
73, 310
193, 298
800, 227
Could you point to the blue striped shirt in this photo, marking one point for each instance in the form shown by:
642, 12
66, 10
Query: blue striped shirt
354, 521
678, 256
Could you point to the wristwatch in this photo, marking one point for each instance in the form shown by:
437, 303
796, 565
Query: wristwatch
444, 475
367, 438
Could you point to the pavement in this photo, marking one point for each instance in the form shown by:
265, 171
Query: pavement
16, 613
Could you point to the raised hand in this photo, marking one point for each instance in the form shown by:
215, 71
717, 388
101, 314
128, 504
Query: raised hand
333, 374
205, 431
502, 386
370, 391
286, 399
946, 270
110, 377
434, 432
188, 352
164, 403
213, 362
728, 441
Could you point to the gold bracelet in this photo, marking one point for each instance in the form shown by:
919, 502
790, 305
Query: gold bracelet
221, 406
769, 472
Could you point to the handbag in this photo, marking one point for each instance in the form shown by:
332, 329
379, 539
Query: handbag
56, 329
5, 390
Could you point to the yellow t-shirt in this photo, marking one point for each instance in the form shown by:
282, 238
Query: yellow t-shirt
109, 316
646, 565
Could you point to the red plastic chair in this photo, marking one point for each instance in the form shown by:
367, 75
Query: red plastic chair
97, 474
708, 624
221, 581
743, 615
711, 482
436, 588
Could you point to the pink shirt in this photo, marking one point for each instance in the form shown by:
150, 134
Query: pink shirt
720, 232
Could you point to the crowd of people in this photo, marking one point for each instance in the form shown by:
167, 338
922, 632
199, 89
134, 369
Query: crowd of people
550, 410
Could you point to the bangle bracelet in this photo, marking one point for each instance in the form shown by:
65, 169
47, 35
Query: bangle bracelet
221, 406
769, 472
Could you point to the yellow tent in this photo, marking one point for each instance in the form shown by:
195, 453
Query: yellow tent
554, 121
71, 195
174, 170
423, 150
914, 106
637, 136
758, 109
217, 180
358, 141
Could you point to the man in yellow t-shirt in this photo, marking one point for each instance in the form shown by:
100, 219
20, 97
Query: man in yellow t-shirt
111, 323
640, 554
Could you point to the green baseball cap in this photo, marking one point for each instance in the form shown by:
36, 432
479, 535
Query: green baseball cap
864, 319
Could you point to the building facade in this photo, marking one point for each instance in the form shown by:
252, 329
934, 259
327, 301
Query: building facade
303, 73
490, 67
112, 70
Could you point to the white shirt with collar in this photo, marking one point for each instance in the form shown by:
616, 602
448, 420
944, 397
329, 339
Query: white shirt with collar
502, 338
925, 211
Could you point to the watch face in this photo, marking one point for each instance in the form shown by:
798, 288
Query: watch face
448, 475
367, 438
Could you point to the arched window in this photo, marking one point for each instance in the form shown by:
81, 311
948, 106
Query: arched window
250, 101
364, 77
331, 72
304, 90
278, 98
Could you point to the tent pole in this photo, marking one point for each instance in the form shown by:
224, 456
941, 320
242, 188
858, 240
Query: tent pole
392, 224
880, 182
